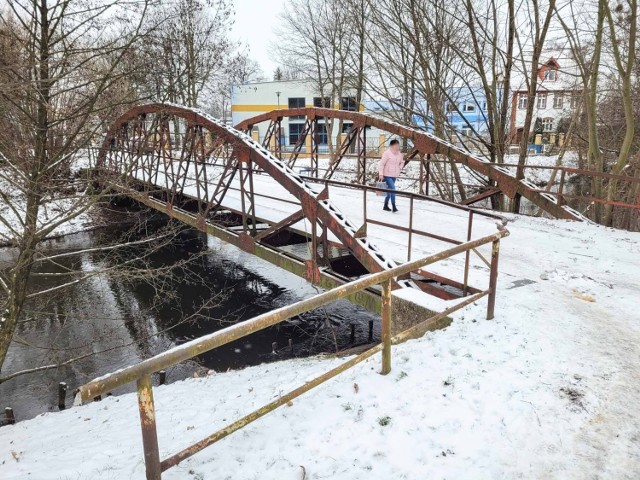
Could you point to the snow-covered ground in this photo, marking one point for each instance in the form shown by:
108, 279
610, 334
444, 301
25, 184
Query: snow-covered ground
550, 389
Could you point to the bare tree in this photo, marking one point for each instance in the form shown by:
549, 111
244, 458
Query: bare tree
358, 12
317, 40
584, 34
240, 69
189, 52
489, 55
416, 66
538, 23
68, 55
623, 36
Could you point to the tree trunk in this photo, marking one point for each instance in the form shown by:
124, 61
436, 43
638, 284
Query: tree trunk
541, 34
625, 70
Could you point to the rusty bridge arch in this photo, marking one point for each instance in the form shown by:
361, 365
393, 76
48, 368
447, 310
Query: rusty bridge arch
424, 144
165, 155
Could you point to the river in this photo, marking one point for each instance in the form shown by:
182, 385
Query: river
197, 285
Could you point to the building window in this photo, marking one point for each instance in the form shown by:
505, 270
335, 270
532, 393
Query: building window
346, 127
522, 101
575, 100
551, 75
321, 135
296, 102
349, 104
466, 131
295, 132
558, 100
542, 100
322, 102
468, 107
547, 124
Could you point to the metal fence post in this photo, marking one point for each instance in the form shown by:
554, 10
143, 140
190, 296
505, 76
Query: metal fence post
561, 187
428, 179
493, 278
148, 426
410, 228
467, 256
386, 327
364, 204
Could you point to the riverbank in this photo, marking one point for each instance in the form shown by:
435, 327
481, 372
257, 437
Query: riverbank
549, 389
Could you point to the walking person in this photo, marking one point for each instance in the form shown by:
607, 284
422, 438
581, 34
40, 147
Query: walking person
391, 166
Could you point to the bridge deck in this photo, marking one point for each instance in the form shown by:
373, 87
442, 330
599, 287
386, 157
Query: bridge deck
274, 203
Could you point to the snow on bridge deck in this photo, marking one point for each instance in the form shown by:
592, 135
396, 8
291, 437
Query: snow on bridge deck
274, 203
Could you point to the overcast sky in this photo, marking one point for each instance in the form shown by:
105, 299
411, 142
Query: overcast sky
254, 24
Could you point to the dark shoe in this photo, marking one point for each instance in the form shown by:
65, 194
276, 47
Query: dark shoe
395, 210
386, 208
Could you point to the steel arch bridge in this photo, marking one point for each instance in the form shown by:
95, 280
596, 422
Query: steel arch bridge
423, 145
184, 163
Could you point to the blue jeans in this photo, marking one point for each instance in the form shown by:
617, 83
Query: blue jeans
391, 185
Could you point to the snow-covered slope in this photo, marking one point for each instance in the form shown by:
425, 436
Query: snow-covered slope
550, 389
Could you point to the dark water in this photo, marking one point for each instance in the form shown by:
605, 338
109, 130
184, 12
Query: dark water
196, 285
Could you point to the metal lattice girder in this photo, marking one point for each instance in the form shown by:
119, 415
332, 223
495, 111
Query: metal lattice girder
361, 168
314, 148
179, 178
277, 227
488, 192
247, 197
411, 155
221, 185
142, 146
247, 155
427, 143
271, 131
344, 148
302, 139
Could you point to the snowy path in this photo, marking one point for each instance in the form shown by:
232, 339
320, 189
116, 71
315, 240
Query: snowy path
548, 390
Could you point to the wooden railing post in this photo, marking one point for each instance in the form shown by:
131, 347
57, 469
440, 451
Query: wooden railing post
386, 327
148, 426
493, 278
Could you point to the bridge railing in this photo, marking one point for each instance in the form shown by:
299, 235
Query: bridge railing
141, 372
411, 229
413, 197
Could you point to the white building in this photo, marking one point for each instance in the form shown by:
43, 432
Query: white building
252, 99
558, 95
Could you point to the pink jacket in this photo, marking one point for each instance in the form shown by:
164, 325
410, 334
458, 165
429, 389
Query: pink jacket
391, 164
